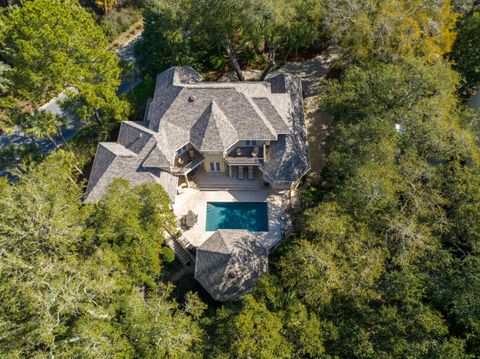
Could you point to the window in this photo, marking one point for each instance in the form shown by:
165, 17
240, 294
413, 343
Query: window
181, 150
215, 166
250, 143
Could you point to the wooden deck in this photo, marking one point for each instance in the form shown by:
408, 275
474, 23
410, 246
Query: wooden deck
221, 181
245, 157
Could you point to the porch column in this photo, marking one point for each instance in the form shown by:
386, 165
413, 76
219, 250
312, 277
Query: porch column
186, 180
229, 171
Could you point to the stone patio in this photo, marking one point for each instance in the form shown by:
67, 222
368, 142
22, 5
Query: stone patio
196, 200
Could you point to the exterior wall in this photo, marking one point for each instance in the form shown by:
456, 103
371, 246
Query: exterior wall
282, 186
278, 185
213, 157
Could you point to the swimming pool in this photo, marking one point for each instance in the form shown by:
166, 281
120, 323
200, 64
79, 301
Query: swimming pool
252, 216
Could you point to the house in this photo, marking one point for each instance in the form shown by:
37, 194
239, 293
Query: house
209, 141
235, 128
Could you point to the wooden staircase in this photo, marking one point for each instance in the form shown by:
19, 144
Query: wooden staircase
182, 248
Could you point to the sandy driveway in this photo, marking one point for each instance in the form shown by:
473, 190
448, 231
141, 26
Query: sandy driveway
319, 124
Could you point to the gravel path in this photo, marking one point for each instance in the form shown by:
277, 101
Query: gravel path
313, 70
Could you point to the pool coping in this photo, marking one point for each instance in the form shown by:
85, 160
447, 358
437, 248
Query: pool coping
196, 200
253, 232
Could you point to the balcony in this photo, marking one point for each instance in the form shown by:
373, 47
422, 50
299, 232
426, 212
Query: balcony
186, 162
245, 156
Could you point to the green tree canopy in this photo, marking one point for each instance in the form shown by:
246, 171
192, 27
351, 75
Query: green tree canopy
132, 222
53, 46
371, 271
466, 53
201, 33
70, 286
391, 29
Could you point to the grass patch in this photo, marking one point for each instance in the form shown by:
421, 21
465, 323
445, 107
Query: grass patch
118, 21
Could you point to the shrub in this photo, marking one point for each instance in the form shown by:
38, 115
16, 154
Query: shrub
168, 255
119, 20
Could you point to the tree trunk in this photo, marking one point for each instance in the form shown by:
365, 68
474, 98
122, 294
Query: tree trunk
271, 65
59, 130
233, 61
97, 116
271, 62
52, 140
131, 91
285, 58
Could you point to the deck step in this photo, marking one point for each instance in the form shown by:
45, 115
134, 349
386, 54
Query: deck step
247, 186
180, 252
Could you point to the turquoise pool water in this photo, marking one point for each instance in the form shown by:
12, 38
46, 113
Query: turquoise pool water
252, 216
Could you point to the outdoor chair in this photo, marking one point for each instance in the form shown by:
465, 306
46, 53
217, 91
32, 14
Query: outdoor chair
255, 151
240, 173
191, 219
250, 172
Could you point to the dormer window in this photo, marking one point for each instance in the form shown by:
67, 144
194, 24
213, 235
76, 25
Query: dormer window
182, 150
250, 143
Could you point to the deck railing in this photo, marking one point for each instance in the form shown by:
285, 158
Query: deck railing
244, 156
195, 162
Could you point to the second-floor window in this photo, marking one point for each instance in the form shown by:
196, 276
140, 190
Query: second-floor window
250, 143
181, 150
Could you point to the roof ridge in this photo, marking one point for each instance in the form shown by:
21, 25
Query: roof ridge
155, 158
224, 125
262, 116
117, 149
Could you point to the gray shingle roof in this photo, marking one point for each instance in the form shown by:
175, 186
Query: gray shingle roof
289, 156
213, 117
115, 160
229, 263
213, 131
278, 123
183, 113
155, 159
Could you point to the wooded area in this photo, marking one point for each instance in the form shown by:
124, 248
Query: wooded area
385, 260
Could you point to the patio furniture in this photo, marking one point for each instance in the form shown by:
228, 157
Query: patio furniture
183, 223
250, 172
240, 173
191, 153
191, 219
239, 151
255, 151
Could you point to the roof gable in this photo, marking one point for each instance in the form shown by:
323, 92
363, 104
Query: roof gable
155, 159
229, 263
213, 131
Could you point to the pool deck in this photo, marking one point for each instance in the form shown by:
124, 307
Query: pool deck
196, 200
